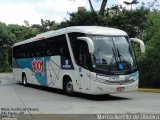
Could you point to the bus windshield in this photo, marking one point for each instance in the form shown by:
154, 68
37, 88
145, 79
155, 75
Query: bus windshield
113, 53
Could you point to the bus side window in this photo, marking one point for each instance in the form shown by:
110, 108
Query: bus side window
15, 52
83, 54
80, 50
39, 48
64, 52
57, 46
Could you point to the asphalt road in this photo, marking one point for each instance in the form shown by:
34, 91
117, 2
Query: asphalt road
39, 100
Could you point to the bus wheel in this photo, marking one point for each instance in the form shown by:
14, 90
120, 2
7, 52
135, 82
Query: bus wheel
68, 87
24, 80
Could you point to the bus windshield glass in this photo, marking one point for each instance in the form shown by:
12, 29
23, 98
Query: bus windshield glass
113, 53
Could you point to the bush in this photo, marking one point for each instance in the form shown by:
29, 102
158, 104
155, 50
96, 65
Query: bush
150, 64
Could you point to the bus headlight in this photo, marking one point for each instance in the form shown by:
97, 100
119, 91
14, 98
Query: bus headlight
96, 79
100, 80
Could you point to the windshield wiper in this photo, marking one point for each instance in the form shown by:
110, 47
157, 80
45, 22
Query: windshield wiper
115, 56
120, 56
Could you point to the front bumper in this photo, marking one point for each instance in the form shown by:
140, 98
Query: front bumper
101, 88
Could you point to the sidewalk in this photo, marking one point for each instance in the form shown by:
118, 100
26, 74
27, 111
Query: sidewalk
148, 90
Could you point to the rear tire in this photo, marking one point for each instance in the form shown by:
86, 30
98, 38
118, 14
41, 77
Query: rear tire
24, 80
68, 87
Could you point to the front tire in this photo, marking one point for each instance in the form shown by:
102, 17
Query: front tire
24, 80
68, 87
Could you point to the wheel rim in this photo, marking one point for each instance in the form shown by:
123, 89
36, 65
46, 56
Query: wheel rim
69, 87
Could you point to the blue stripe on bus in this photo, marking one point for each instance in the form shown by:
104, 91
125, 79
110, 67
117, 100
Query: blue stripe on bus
34, 64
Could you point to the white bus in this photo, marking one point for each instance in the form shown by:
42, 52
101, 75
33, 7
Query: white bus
86, 59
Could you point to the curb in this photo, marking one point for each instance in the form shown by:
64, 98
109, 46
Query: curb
148, 90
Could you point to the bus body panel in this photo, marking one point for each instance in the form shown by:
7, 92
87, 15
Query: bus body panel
51, 76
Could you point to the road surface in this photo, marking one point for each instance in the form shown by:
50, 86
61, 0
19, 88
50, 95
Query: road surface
39, 100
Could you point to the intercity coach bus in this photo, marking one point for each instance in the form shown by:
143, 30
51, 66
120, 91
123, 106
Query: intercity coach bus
86, 59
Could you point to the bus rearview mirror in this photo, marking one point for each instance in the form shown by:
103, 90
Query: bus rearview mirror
142, 45
89, 42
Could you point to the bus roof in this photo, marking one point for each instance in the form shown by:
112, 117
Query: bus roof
91, 30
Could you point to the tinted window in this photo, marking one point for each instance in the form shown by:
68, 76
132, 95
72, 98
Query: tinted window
80, 50
48, 47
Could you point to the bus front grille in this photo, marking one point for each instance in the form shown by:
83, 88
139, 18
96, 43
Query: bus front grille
120, 82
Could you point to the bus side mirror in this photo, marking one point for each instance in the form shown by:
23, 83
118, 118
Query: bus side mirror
89, 42
142, 46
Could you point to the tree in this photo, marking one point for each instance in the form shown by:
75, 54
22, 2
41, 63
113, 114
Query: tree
85, 18
48, 24
6, 41
26, 22
103, 6
125, 20
122, 19
149, 63
91, 6
154, 5
131, 3
6, 37
21, 32
101, 9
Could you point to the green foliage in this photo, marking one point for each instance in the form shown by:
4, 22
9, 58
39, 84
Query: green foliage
84, 18
22, 32
6, 40
128, 21
6, 37
150, 65
150, 62
4, 61
133, 22
152, 27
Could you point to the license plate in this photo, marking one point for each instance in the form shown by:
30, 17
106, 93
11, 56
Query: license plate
120, 89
